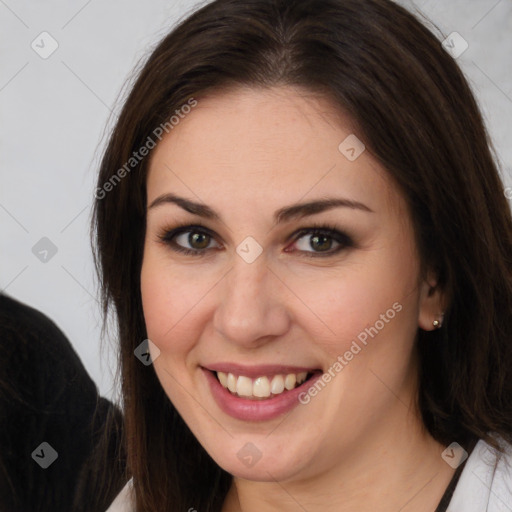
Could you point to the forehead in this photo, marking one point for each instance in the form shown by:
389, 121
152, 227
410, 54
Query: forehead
266, 146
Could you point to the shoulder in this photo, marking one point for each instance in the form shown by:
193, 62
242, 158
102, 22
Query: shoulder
486, 481
40, 370
124, 501
28, 335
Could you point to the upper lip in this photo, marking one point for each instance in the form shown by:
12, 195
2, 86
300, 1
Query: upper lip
258, 370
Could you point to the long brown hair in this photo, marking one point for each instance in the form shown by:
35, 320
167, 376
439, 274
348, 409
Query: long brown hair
415, 112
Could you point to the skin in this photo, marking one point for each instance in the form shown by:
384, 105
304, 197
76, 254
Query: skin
360, 443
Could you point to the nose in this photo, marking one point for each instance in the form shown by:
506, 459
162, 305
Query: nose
251, 310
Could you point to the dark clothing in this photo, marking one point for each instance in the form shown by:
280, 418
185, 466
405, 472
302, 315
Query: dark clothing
46, 396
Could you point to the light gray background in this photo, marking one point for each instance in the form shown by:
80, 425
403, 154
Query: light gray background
53, 117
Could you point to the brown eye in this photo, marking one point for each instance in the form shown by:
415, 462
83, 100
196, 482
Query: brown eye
198, 240
191, 240
321, 241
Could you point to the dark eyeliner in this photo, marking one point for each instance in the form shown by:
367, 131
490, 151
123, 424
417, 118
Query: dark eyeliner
344, 240
167, 236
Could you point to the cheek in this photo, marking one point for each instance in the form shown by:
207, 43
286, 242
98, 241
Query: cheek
171, 302
377, 296
372, 309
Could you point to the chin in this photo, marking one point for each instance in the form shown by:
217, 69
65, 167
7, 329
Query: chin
261, 459
262, 471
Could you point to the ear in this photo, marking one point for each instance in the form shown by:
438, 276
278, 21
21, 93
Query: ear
432, 304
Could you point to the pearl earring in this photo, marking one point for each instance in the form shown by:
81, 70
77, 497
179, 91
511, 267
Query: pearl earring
438, 323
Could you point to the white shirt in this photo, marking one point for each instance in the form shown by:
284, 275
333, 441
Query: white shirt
485, 484
124, 501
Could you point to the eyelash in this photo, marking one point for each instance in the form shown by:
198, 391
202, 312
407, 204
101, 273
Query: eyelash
344, 240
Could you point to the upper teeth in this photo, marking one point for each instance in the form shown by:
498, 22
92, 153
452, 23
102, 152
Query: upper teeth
260, 387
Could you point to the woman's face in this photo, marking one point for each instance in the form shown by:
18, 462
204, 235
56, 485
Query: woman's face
302, 265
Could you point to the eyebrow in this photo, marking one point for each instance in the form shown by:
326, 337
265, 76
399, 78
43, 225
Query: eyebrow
285, 214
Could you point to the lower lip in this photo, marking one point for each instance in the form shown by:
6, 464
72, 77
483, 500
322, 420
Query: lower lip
256, 410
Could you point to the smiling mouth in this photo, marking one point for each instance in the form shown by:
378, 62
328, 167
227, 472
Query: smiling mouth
264, 387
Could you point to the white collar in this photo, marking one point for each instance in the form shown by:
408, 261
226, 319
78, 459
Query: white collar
485, 484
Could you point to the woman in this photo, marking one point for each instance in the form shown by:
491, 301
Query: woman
300, 210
